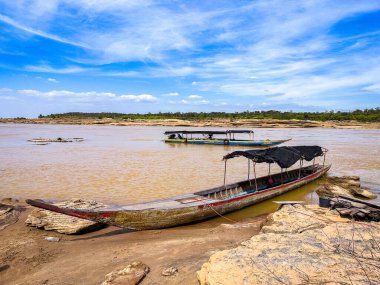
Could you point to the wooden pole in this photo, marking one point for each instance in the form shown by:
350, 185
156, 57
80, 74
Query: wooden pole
249, 164
225, 170
299, 171
254, 171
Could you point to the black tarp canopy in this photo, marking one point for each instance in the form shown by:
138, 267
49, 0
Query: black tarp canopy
284, 156
210, 132
196, 132
239, 131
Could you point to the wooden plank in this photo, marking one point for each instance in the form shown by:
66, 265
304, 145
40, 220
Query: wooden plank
289, 202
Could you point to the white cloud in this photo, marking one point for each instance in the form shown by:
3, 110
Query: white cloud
52, 80
190, 102
195, 97
147, 98
172, 94
202, 102
90, 96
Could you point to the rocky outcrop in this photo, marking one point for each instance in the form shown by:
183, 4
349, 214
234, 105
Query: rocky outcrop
8, 215
133, 274
300, 245
64, 224
348, 186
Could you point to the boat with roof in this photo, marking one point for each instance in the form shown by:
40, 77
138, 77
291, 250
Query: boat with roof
188, 208
219, 138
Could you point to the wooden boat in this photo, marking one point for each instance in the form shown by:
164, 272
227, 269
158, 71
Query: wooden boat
209, 203
228, 138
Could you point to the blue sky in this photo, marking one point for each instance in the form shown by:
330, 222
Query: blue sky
151, 56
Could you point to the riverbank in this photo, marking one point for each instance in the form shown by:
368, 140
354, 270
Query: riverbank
301, 245
295, 245
27, 258
225, 123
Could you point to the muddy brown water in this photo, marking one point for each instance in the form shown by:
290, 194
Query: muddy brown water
120, 164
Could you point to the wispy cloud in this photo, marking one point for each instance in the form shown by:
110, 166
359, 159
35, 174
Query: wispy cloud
39, 33
59, 70
52, 80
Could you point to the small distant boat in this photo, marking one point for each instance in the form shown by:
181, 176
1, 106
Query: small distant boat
61, 140
209, 203
228, 139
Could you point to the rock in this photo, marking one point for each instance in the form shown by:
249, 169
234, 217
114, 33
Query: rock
133, 274
363, 192
64, 224
3, 267
53, 239
293, 219
9, 200
8, 215
169, 271
318, 250
348, 186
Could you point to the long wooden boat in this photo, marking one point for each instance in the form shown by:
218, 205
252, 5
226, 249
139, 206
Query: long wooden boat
206, 204
228, 139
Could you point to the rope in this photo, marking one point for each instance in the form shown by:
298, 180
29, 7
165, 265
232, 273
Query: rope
224, 217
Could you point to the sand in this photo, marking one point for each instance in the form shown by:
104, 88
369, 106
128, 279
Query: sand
27, 258
225, 123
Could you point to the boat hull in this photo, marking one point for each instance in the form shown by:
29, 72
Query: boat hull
155, 218
251, 143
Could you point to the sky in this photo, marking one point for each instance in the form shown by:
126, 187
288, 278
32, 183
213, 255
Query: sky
133, 56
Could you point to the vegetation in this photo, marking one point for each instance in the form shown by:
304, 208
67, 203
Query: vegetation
367, 115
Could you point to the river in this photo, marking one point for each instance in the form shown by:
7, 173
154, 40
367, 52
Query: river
120, 164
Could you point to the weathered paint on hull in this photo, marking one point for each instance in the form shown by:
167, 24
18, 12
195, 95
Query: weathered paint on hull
169, 217
231, 142
154, 219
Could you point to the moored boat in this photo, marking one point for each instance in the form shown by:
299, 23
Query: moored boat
206, 204
213, 138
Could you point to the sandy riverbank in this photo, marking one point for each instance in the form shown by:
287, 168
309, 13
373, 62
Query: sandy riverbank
84, 259
225, 123
295, 245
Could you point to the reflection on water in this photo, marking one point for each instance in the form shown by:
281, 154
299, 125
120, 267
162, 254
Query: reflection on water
131, 164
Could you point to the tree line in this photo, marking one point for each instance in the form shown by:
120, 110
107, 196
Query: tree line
366, 115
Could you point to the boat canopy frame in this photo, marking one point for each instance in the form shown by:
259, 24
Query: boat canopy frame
284, 156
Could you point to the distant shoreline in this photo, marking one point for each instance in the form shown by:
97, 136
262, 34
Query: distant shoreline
225, 123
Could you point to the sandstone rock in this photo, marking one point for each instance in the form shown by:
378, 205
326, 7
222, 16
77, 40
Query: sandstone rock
64, 224
8, 215
133, 274
169, 271
363, 192
318, 250
345, 186
293, 219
